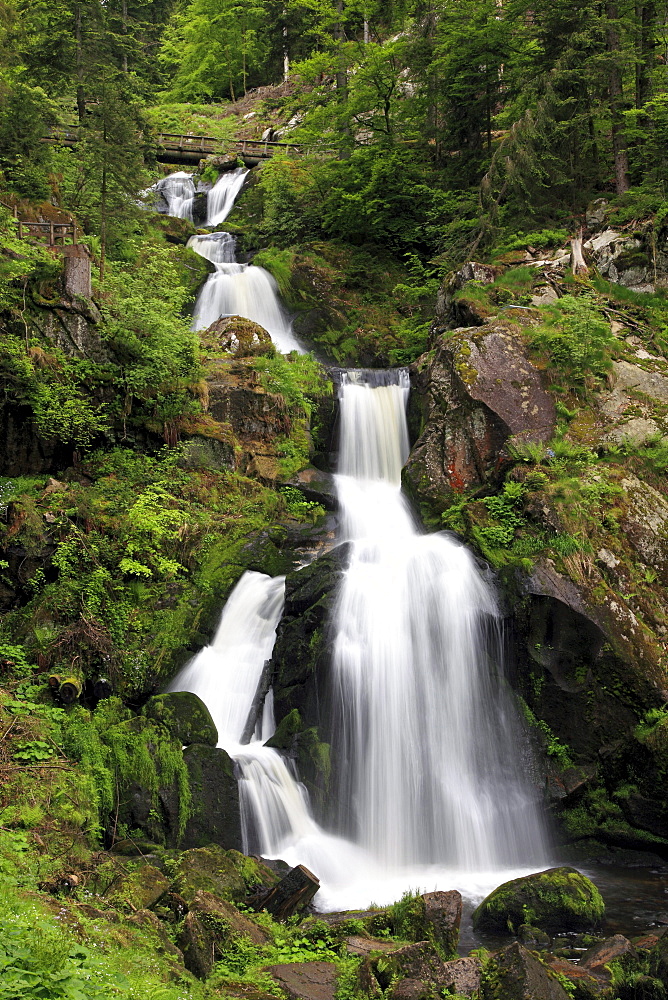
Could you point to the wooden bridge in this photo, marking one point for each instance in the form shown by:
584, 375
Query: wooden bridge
174, 147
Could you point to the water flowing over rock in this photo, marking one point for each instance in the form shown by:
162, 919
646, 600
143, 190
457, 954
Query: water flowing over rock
415, 625
223, 194
240, 290
177, 193
414, 631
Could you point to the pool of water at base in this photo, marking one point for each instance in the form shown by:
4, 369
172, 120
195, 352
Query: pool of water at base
634, 886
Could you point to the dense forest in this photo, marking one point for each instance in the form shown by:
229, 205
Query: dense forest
470, 189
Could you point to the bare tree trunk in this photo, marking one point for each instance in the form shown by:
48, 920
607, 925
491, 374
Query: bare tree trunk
619, 147
286, 48
578, 265
366, 32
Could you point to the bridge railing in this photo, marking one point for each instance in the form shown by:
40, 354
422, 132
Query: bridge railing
54, 231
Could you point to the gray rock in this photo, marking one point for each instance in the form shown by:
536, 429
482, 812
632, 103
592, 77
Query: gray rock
306, 980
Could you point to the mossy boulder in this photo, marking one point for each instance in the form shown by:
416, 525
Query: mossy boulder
185, 716
434, 917
209, 932
515, 974
559, 899
229, 875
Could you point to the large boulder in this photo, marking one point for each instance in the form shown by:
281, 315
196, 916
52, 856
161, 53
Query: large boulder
479, 391
515, 974
210, 929
185, 716
420, 961
559, 899
241, 336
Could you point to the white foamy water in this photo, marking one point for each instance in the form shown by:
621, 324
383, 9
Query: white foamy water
223, 194
240, 290
178, 191
431, 791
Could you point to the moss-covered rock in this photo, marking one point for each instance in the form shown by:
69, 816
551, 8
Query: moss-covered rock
241, 337
185, 716
515, 974
227, 874
559, 899
209, 931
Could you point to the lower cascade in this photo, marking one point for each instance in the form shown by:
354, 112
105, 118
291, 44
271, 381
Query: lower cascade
240, 290
430, 755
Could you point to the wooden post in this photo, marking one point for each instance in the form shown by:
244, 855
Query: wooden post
52, 235
20, 229
74, 233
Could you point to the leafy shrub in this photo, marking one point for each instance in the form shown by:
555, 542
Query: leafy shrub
576, 339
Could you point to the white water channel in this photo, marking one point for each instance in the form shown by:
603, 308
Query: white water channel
433, 793
233, 289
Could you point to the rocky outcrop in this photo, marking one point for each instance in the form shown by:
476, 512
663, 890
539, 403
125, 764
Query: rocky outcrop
479, 394
209, 931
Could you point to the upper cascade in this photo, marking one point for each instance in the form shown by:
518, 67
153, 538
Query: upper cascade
223, 194
178, 190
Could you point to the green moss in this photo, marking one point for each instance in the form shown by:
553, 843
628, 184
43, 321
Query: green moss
557, 899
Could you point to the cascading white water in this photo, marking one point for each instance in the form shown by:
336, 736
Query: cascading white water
431, 791
178, 190
223, 194
240, 290
432, 770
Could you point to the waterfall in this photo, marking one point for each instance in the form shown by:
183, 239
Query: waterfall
431, 791
240, 290
178, 190
425, 728
223, 194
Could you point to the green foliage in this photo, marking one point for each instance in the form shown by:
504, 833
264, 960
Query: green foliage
296, 377
552, 745
576, 339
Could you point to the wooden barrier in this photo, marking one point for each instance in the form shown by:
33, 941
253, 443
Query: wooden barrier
55, 231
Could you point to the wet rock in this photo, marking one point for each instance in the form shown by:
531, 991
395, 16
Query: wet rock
461, 310
515, 974
316, 485
595, 214
214, 453
533, 937
410, 989
464, 976
174, 230
366, 946
597, 958
200, 205
556, 899
148, 921
209, 928
215, 797
586, 987
184, 715
306, 980
479, 392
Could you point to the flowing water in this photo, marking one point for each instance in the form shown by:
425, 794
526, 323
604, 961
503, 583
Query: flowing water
434, 793
223, 194
240, 290
178, 190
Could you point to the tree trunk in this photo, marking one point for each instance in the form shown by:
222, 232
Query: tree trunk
646, 45
81, 96
342, 79
286, 48
366, 32
619, 148
578, 265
